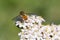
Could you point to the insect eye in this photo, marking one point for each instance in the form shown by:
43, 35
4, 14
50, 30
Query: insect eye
21, 12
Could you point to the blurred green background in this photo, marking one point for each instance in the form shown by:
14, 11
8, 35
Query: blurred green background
48, 9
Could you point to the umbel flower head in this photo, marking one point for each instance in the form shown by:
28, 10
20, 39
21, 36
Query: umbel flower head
32, 29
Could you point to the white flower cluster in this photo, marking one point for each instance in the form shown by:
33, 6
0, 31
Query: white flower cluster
32, 29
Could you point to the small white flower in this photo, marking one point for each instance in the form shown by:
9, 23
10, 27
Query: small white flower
55, 37
33, 29
19, 34
58, 33
58, 28
18, 23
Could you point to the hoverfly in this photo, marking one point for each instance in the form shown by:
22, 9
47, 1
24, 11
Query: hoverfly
21, 17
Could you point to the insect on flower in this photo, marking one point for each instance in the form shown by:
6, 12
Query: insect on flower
21, 17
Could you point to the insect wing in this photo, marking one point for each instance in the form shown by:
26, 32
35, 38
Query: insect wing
18, 18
